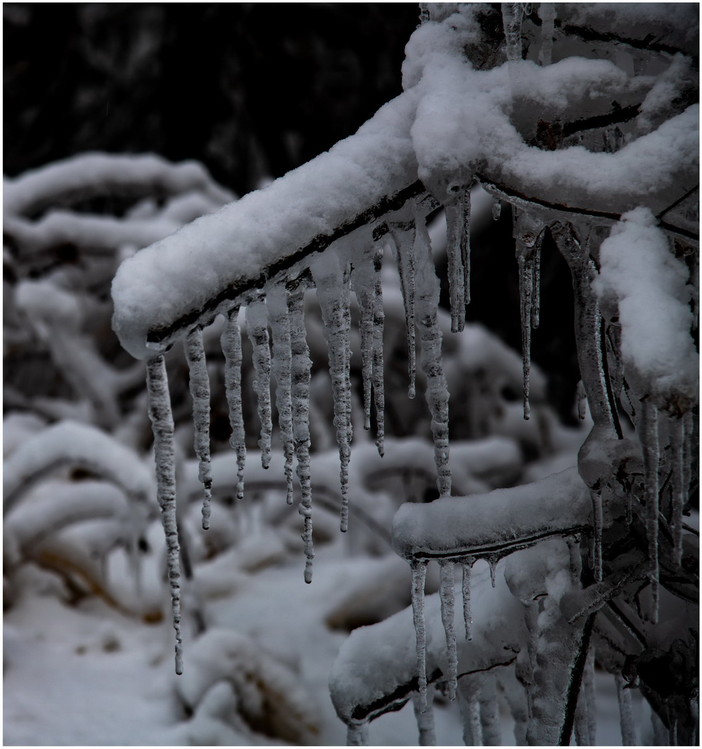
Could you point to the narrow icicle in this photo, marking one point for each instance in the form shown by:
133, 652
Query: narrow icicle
378, 346
492, 562
512, 24
437, 395
626, 720
279, 319
446, 567
419, 573
425, 719
469, 705
536, 283
257, 325
231, 348
467, 567
679, 500
300, 375
164, 453
597, 523
200, 394
332, 285
648, 435
357, 734
403, 235
458, 252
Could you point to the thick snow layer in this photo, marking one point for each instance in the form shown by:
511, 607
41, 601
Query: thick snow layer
640, 274
487, 524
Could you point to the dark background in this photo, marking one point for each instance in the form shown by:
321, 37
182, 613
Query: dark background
251, 90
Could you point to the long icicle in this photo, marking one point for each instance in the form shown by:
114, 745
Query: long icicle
437, 395
231, 348
364, 288
403, 235
425, 719
446, 594
419, 573
300, 375
677, 431
626, 720
161, 418
648, 435
257, 325
378, 363
467, 567
200, 394
332, 284
279, 318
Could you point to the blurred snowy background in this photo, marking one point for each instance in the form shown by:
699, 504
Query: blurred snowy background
243, 93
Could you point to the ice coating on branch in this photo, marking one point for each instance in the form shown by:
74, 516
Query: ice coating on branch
626, 719
425, 719
419, 573
231, 348
164, 454
366, 280
648, 435
332, 282
466, 568
279, 318
586, 714
300, 373
200, 394
446, 594
458, 251
597, 527
257, 326
640, 274
437, 395
403, 234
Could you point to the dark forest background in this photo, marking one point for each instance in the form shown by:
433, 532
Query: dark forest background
251, 90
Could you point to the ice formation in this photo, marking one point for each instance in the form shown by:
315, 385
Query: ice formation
257, 326
231, 348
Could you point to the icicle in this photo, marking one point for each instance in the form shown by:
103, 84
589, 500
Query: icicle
257, 325
278, 316
512, 23
547, 13
469, 705
467, 567
300, 373
677, 431
581, 399
446, 567
536, 283
419, 573
200, 394
489, 712
425, 719
357, 734
597, 523
626, 720
648, 435
496, 209
437, 395
164, 452
378, 363
458, 250
492, 562
333, 296
403, 235
231, 348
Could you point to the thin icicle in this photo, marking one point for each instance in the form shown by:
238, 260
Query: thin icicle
279, 319
200, 394
437, 395
626, 719
536, 283
231, 348
467, 567
164, 453
425, 719
300, 374
512, 24
419, 573
332, 285
469, 705
597, 524
679, 500
403, 235
357, 734
458, 251
257, 325
547, 13
492, 563
446, 567
648, 434
378, 362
